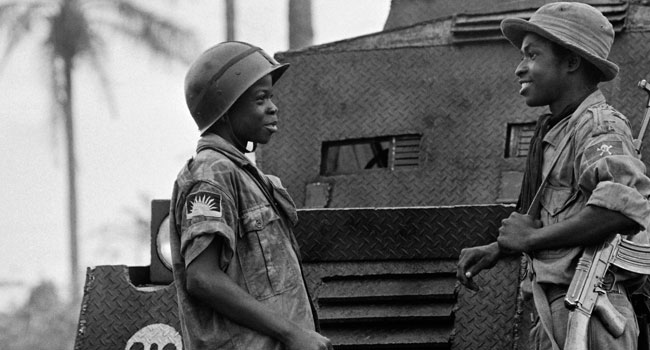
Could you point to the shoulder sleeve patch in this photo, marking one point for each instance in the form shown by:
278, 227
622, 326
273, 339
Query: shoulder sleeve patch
603, 149
203, 203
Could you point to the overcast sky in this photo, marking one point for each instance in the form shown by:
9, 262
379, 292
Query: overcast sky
124, 158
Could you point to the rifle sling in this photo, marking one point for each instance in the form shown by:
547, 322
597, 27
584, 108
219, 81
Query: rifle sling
539, 296
544, 311
534, 205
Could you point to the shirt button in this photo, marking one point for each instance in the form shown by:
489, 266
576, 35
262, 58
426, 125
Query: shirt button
258, 224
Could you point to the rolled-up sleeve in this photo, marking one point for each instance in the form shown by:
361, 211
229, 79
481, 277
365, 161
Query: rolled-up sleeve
199, 236
615, 178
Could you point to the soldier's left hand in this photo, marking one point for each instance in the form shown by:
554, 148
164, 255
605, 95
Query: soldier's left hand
516, 232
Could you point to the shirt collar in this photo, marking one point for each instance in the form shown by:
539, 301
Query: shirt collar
595, 98
558, 131
211, 140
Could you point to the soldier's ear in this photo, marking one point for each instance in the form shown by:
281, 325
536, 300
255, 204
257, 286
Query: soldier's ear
573, 62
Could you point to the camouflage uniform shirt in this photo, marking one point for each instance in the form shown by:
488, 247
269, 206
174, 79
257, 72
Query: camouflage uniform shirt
599, 167
215, 197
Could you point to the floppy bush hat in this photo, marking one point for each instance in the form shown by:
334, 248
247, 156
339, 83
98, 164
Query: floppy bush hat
576, 26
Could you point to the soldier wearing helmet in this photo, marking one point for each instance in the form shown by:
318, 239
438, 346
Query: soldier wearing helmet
584, 181
236, 264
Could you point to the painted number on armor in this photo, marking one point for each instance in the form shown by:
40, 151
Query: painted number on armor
156, 336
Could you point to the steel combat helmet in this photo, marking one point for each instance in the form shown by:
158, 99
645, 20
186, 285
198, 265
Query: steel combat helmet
221, 74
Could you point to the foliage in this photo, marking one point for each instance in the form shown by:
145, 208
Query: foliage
74, 31
43, 323
78, 30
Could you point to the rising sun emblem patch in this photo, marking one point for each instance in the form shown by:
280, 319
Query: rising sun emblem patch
204, 204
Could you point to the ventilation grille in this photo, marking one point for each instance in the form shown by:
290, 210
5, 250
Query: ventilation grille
406, 151
486, 27
393, 311
519, 136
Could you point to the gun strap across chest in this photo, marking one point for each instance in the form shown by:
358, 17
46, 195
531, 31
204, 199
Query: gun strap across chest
535, 204
539, 295
543, 309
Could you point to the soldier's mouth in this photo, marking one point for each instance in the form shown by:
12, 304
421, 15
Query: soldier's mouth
272, 127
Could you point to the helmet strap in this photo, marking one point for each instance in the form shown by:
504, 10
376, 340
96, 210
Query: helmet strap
240, 145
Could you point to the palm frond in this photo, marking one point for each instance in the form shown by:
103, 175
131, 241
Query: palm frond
70, 33
16, 21
159, 34
10, 8
95, 54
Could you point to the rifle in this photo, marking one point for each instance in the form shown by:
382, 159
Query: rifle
587, 292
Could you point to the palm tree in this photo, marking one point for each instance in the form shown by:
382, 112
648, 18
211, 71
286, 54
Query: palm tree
76, 30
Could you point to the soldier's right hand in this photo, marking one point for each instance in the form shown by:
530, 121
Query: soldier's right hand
472, 260
303, 339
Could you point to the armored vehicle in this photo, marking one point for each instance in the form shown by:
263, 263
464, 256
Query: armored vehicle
400, 147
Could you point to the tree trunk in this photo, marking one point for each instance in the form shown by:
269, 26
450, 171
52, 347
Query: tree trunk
230, 20
75, 285
301, 33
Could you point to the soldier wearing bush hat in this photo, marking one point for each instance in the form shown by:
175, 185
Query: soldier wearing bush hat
575, 26
583, 181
